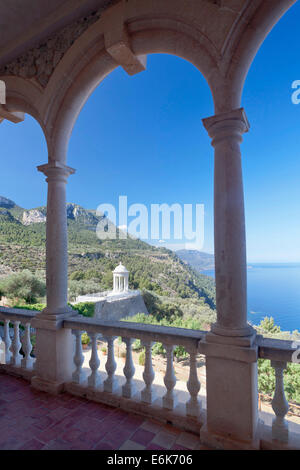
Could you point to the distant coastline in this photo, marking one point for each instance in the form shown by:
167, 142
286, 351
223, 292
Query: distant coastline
273, 291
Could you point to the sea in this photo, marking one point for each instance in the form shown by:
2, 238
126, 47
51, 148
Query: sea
273, 291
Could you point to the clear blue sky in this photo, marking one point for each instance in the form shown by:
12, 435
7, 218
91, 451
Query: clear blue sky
142, 137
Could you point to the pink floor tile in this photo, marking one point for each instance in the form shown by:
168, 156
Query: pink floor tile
141, 436
103, 446
34, 420
165, 439
117, 437
154, 447
33, 444
59, 413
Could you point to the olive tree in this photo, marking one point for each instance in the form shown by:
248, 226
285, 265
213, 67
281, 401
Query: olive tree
23, 285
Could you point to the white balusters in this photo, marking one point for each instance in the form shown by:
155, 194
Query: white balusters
279, 404
193, 386
147, 395
128, 388
94, 379
78, 375
111, 383
169, 399
7, 342
27, 361
16, 346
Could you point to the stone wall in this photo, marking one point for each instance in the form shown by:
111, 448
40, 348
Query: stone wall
120, 308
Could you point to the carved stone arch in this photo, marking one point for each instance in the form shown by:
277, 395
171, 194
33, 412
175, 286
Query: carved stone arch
25, 96
87, 63
246, 38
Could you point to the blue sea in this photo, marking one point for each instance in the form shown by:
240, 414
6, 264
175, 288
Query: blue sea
273, 291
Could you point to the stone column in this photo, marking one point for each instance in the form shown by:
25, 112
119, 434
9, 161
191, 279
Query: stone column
54, 344
57, 238
229, 223
230, 349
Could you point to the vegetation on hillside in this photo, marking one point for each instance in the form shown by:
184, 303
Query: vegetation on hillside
174, 293
23, 286
266, 373
157, 271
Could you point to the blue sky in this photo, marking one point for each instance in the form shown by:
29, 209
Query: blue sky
142, 137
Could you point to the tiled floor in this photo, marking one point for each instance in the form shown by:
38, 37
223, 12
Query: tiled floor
30, 419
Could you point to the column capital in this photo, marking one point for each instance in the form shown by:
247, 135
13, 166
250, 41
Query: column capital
56, 171
231, 124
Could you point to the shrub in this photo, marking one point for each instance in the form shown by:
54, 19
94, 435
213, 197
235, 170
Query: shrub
267, 325
23, 285
142, 358
37, 307
266, 380
77, 276
82, 287
87, 309
180, 352
137, 345
85, 339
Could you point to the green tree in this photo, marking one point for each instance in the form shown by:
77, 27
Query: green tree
23, 285
77, 276
267, 325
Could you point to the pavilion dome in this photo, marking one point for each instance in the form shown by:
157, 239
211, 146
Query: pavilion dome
120, 269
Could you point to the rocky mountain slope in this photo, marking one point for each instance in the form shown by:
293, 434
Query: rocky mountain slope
199, 260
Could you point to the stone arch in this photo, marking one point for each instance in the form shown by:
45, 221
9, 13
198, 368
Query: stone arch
26, 97
87, 63
152, 27
243, 45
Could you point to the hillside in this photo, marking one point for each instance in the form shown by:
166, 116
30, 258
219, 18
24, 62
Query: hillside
158, 271
199, 260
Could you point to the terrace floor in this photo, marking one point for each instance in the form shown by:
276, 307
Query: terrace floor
34, 420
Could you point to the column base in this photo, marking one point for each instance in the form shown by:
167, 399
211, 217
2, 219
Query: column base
52, 321
54, 388
232, 332
231, 389
55, 347
58, 311
240, 341
220, 442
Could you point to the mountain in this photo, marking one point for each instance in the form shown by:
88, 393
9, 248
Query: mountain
91, 261
199, 260
6, 203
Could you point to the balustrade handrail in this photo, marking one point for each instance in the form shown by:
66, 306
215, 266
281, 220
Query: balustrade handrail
17, 314
148, 335
142, 331
18, 319
276, 349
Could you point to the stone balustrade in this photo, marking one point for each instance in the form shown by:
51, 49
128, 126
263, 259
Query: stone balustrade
279, 352
16, 336
126, 391
143, 400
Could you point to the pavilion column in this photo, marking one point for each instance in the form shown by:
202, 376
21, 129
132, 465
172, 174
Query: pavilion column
229, 223
56, 238
54, 344
230, 349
